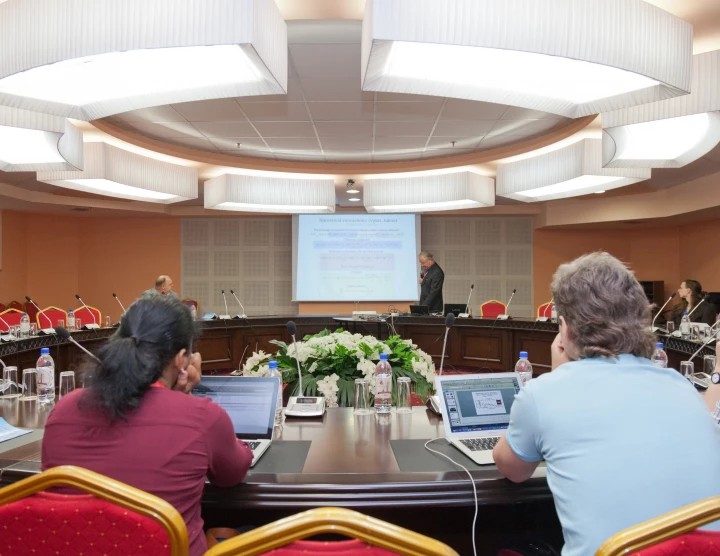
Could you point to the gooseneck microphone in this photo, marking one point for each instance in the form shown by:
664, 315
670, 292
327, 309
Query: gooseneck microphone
291, 330
116, 299
226, 315
696, 306
95, 324
39, 311
65, 335
467, 305
506, 315
241, 315
449, 321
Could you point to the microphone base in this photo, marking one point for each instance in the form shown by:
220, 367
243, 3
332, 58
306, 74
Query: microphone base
91, 326
701, 381
463, 316
542, 319
47, 331
243, 316
503, 317
224, 317
305, 406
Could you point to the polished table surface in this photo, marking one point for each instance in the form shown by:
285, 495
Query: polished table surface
350, 463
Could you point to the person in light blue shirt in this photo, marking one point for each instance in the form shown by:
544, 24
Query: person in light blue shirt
624, 440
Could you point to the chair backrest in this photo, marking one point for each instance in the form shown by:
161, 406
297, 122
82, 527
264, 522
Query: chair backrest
545, 310
86, 318
671, 534
16, 305
113, 519
11, 317
492, 308
49, 317
190, 303
374, 537
2, 307
31, 311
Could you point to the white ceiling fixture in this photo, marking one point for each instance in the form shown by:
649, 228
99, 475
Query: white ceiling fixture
459, 190
572, 58
670, 133
275, 195
568, 172
30, 141
90, 59
125, 175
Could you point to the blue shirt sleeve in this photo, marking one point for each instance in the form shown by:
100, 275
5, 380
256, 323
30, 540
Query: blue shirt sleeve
523, 434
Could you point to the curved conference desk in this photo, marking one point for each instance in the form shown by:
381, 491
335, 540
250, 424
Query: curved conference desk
372, 464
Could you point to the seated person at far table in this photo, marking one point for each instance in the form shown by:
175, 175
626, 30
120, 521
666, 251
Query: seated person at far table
691, 295
621, 437
136, 423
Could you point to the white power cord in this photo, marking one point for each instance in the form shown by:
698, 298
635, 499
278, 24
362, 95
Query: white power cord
472, 482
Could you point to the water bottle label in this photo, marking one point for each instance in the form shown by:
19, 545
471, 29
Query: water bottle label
24, 326
46, 377
383, 387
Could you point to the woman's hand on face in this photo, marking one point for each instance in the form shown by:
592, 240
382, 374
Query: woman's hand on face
190, 377
558, 353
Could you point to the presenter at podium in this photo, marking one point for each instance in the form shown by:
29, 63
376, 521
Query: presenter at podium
431, 283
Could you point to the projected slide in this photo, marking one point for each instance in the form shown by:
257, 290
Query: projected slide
356, 257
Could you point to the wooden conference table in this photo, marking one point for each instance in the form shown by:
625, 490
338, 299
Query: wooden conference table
377, 465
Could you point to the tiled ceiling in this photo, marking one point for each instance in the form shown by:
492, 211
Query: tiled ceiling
327, 117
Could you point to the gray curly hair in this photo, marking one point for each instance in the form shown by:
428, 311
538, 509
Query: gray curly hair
604, 306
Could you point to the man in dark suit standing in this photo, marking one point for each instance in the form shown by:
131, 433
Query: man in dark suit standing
431, 283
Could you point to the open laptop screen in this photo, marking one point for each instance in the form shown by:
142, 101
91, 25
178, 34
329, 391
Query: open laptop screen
479, 404
249, 401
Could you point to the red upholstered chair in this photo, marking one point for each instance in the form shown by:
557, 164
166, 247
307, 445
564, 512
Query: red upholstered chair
2, 307
11, 317
114, 519
16, 305
492, 308
49, 317
545, 310
31, 311
672, 534
86, 318
373, 537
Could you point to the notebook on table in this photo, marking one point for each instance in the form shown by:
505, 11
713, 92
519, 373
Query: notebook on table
476, 411
250, 402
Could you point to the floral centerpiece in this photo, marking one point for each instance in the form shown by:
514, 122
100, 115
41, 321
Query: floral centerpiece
331, 361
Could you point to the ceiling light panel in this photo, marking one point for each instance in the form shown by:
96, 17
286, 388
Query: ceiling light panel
30, 141
55, 59
566, 172
613, 54
272, 195
669, 133
460, 190
125, 175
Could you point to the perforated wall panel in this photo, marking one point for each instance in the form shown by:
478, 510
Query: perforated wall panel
493, 253
251, 256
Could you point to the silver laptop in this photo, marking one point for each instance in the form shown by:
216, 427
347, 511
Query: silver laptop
250, 402
476, 411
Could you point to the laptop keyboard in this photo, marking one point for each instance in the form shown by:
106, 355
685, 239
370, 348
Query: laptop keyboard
252, 445
480, 444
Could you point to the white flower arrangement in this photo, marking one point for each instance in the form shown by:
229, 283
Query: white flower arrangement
331, 361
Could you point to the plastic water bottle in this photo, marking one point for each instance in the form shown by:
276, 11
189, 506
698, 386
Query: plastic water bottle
275, 373
45, 377
660, 358
71, 320
383, 385
24, 326
685, 326
193, 311
523, 368
553, 314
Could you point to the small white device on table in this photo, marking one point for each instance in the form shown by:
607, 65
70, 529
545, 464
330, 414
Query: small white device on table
302, 406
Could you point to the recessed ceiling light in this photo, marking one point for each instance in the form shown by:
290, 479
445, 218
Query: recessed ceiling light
599, 192
116, 189
354, 199
353, 191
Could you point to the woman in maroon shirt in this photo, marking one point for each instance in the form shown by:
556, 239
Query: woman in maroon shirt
135, 422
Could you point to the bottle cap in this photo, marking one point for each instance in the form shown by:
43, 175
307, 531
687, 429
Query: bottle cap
24, 315
383, 356
660, 345
523, 354
685, 313
272, 364
44, 351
